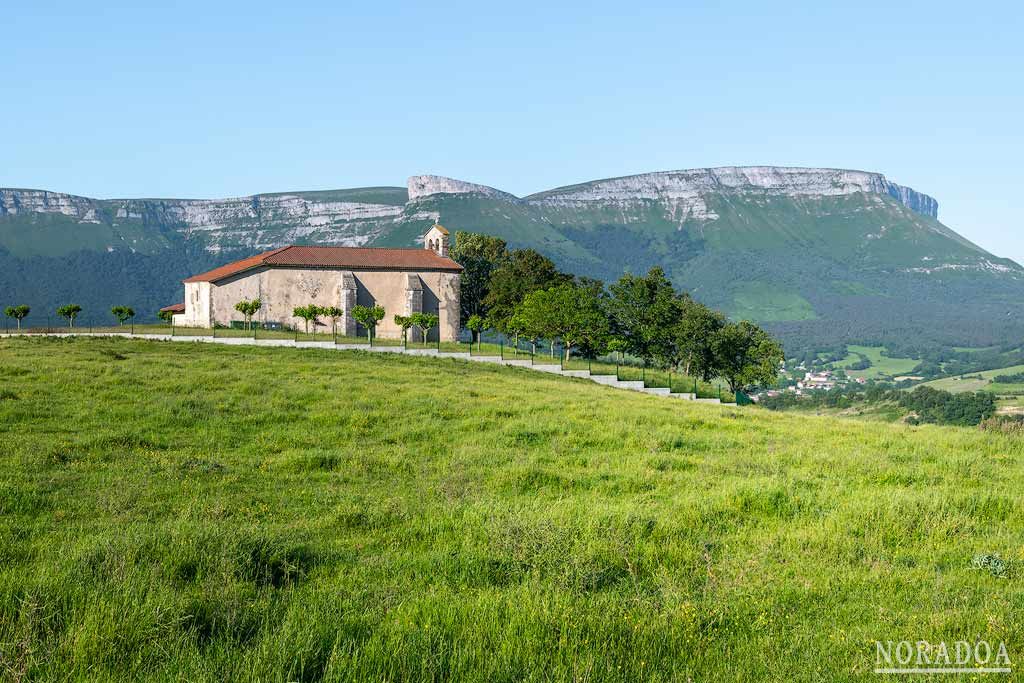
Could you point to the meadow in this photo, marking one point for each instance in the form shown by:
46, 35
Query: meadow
179, 511
881, 364
1010, 396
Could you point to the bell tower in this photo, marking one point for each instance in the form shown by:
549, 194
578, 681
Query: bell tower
436, 240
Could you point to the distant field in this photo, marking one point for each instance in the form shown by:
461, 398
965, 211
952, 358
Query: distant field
957, 385
881, 366
178, 511
766, 302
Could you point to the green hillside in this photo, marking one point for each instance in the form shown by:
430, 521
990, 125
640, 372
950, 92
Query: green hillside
176, 511
822, 269
1010, 394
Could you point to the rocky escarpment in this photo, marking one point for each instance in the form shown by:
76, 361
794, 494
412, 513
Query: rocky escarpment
686, 189
359, 217
254, 222
15, 202
421, 186
683, 193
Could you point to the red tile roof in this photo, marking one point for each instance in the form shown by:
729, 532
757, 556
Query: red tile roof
173, 308
360, 258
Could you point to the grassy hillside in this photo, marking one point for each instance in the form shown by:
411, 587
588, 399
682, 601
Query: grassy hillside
1010, 395
882, 365
978, 381
180, 512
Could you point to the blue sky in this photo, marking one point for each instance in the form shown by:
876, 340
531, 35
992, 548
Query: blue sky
226, 99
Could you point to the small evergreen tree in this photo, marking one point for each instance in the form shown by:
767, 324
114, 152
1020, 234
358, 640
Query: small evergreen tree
70, 312
476, 326
426, 322
19, 313
368, 317
248, 309
335, 314
308, 314
166, 316
123, 314
404, 322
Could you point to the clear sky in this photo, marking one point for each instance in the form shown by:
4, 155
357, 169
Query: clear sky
224, 99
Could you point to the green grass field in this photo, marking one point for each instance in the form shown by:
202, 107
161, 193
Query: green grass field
881, 366
190, 512
972, 383
1011, 396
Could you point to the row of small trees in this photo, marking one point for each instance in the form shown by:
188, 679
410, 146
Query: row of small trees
522, 294
424, 321
69, 312
367, 316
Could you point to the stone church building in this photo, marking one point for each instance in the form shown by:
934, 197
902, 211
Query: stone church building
402, 281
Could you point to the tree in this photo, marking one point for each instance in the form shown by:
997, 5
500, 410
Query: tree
19, 313
617, 346
368, 317
693, 334
166, 316
335, 314
568, 311
526, 323
745, 355
248, 309
123, 314
308, 314
643, 311
476, 326
404, 322
478, 255
425, 321
69, 311
524, 271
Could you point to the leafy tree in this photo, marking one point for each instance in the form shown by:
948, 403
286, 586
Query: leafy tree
568, 311
476, 326
248, 309
479, 255
643, 311
308, 314
335, 313
530, 324
744, 355
70, 312
426, 322
166, 316
404, 322
618, 346
524, 271
123, 314
592, 290
692, 337
19, 313
368, 317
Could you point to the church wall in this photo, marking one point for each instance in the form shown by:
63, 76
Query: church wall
197, 305
282, 289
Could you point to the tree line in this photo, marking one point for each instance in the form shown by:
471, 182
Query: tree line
69, 312
521, 294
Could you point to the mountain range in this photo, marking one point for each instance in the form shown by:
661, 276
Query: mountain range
823, 257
